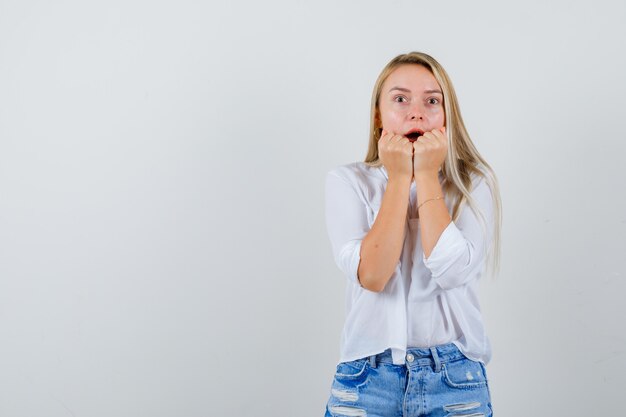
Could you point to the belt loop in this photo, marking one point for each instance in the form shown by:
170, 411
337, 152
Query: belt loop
433, 350
373, 361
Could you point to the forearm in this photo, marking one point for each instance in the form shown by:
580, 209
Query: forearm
433, 216
382, 246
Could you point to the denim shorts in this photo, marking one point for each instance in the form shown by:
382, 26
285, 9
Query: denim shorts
436, 381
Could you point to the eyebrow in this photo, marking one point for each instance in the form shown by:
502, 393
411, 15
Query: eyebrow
406, 90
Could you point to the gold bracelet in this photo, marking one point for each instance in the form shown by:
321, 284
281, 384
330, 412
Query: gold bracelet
430, 199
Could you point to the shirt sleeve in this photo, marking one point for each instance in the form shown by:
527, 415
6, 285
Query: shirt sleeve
346, 223
459, 254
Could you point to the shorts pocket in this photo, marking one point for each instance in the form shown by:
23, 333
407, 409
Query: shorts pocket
464, 373
352, 372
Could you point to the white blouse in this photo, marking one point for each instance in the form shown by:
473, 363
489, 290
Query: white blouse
427, 302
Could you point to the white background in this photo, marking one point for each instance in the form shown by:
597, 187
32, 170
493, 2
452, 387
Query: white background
163, 249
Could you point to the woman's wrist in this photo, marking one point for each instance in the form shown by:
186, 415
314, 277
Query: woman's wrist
400, 180
425, 175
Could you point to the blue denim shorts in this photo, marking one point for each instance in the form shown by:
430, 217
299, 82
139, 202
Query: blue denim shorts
436, 381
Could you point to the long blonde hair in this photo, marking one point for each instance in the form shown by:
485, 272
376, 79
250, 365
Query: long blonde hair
462, 159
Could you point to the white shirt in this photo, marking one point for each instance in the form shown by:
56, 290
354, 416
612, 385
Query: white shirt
427, 302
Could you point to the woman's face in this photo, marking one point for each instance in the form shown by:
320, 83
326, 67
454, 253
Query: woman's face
411, 102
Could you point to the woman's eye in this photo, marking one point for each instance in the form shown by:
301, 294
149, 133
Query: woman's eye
399, 99
433, 101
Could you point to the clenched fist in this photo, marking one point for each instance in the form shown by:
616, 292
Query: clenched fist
430, 151
396, 154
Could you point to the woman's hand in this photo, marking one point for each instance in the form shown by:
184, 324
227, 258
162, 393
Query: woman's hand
396, 152
430, 151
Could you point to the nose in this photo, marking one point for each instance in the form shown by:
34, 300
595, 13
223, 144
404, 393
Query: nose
416, 112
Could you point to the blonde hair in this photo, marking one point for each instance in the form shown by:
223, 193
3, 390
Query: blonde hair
462, 159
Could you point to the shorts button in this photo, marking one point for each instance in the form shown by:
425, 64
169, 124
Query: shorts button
409, 357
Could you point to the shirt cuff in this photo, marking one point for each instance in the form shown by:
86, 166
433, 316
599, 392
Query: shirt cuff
351, 257
446, 250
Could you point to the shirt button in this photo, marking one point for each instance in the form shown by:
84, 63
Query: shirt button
409, 357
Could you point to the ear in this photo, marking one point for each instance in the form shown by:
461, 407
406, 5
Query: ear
377, 120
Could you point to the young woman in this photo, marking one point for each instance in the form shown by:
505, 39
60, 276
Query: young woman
413, 228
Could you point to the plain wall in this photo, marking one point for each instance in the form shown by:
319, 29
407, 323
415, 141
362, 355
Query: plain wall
163, 249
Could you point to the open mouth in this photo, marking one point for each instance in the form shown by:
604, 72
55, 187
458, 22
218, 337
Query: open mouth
412, 136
